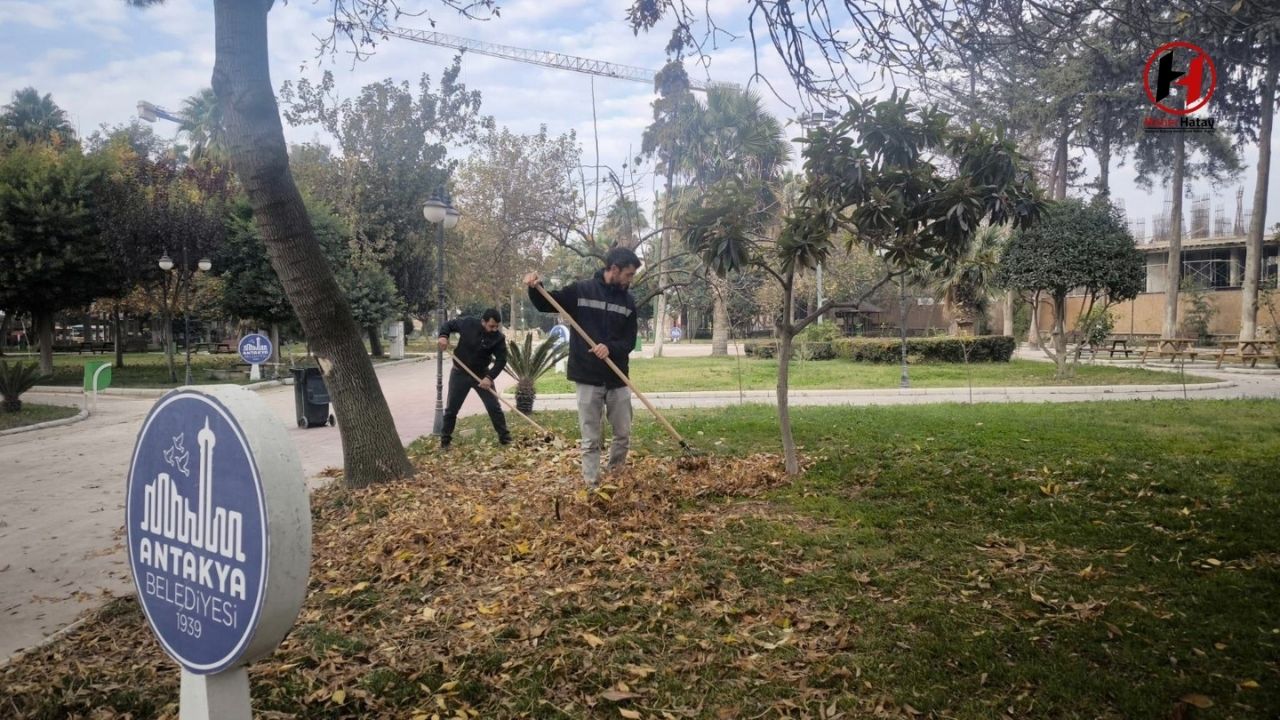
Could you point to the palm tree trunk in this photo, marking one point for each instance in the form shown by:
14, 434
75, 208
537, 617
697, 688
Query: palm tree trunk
1173, 272
1257, 223
1007, 319
720, 316
241, 78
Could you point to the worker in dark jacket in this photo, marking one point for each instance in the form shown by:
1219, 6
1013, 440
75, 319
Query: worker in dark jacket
605, 308
479, 342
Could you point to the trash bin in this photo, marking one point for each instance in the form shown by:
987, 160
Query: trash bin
311, 397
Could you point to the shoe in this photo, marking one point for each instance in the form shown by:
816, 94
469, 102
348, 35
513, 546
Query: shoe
504, 441
444, 444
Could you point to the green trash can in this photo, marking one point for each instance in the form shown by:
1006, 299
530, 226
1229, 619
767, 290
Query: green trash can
104, 377
639, 346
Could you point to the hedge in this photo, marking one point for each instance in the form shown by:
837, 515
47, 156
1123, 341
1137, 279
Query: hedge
987, 348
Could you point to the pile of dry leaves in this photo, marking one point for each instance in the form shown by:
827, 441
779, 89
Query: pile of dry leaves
493, 586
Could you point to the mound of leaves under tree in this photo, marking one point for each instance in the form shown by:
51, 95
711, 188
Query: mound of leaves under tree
461, 594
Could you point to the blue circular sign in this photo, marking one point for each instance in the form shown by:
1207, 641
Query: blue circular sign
196, 522
255, 349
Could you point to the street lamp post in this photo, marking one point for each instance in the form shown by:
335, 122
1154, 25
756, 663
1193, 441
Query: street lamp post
444, 215
166, 264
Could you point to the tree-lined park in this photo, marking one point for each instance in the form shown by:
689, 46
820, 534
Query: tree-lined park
872, 348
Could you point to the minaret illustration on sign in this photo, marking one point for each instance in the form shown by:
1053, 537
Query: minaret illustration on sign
168, 513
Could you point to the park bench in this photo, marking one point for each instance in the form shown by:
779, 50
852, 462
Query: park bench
1173, 348
1248, 352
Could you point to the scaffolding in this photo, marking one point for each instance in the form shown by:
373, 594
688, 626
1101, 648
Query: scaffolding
1199, 216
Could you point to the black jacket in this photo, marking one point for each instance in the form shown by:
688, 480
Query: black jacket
608, 314
476, 347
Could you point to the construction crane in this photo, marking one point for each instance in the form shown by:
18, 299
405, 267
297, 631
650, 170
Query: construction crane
149, 112
559, 61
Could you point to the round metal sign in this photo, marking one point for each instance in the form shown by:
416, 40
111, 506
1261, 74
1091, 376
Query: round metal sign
255, 349
215, 500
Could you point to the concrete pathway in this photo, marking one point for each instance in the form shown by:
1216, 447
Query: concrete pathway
61, 517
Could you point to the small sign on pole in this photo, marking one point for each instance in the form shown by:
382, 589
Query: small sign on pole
219, 539
255, 349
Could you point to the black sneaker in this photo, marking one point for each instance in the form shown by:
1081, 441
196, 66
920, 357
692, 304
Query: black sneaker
504, 441
444, 444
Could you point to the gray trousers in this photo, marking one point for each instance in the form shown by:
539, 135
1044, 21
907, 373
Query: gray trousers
595, 401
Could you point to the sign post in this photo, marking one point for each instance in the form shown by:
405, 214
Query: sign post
219, 539
255, 349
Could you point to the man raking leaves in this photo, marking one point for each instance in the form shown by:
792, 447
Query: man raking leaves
603, 312
480, 342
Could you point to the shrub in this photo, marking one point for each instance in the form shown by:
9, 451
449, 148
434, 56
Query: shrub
816, 342
1096, 326
16, 379
986, 348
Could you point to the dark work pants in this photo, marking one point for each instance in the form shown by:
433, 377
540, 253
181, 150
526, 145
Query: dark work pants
460, 384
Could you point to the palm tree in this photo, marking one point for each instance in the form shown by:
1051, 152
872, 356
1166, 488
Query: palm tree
202, 125
966, 284
36, 118
623, 223
526, 364
734, 141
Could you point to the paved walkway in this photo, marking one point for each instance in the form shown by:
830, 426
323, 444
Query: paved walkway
61, 519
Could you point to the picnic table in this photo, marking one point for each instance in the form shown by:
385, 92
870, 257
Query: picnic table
1248, 351
1174, 348
1117, 345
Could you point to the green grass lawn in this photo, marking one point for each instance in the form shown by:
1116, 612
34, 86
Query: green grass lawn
706, 373
30, 414
149, 370
1098, 560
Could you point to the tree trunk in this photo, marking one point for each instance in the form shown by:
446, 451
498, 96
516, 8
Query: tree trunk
1060, 337
43, 321
375, 341
1033, 332
1104, 162
169, 348
1007, 309
275, 350
720, 316
371, 447
1257, 223
5, 322
1061, 158
117, 324
1173, 272
785, 334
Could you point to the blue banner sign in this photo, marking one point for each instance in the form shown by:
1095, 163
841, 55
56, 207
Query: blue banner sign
255, 349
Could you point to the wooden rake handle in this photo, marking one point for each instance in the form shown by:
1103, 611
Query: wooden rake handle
498, 395
616, 371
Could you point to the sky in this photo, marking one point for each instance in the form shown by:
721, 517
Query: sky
100, 57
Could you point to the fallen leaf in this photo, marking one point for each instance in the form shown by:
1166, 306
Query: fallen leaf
338, 696
592, 640
629, 714
1250, 684
618, 695
1198, 700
